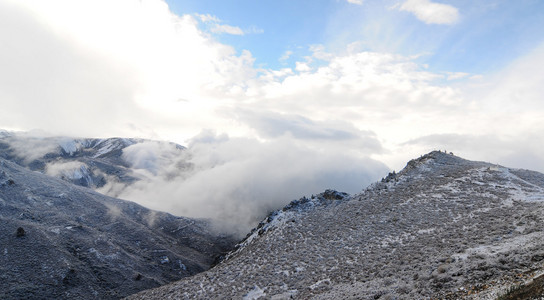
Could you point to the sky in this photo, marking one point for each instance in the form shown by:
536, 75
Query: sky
350, 83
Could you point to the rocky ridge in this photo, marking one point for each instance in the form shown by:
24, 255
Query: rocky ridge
443, 227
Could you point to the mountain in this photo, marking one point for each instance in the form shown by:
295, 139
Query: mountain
95, 163
64, 241
443, 227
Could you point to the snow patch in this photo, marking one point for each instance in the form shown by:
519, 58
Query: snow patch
290, 294
505, 245
69, 146
426, 231
105, 146
526, 191
164, 259
255, 293
319, 283
182, 266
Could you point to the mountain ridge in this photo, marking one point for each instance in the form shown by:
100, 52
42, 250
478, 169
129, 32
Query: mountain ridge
443, 227
103, 165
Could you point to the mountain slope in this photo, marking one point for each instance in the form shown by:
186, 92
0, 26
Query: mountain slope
64, 241
443, 227
89, 162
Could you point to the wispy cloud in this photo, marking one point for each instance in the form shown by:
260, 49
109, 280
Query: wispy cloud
457, 75
359, 2
286, 55
208, 18
431, 12
217, 25
223, 28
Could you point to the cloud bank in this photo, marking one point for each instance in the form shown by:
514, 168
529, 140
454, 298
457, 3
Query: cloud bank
237, 181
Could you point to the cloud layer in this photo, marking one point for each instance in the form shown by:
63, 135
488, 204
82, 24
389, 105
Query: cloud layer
237, 181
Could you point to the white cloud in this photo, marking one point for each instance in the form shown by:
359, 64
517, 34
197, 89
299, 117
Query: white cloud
304, 129
122, 74
217, 26
431, 12
237, 181
457, 75
223, 28
359, 2
71, 170
502, 118
31, 146
302, 67
208, 18
254, 30
286, 55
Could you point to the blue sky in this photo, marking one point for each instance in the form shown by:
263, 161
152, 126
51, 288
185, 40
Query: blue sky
486, 36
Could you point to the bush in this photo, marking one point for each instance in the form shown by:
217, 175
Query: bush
20, 232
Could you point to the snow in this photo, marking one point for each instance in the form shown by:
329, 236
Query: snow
291, 212
105, 146
78, 173
320, 283
426, 231
254, 294
290, 294
437, 229
69, 146
506, 245
164, 259
526, 192
182, 266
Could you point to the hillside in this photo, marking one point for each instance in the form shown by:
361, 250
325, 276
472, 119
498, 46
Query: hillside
63, 241
443, 227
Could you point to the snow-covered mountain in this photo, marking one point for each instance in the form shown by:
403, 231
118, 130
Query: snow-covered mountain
442, 228
64, 241
100, 164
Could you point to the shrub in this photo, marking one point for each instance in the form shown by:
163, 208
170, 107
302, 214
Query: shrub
20, 232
